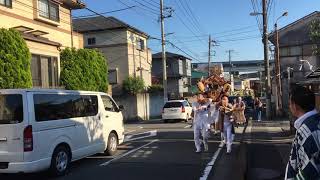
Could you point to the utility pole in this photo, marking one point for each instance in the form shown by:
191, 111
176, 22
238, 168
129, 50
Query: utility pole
266, 58
230, 69
163, 43
209, 56
278, 76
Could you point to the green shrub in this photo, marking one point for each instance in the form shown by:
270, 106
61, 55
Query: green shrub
15, 60
83, 69
155, 88
133, 85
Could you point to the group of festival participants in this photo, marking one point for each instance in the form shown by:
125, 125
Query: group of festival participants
217, 114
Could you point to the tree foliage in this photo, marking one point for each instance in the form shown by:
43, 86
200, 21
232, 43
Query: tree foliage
133, 85
15, 60
315, 36
155, 88
83, 69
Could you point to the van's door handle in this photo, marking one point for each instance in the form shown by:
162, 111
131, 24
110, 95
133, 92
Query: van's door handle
107, 116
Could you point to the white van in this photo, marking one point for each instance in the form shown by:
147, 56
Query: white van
47, 129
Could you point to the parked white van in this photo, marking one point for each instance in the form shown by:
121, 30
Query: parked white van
47, 129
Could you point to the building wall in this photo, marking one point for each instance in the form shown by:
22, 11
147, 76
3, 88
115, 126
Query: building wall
26, 13
122, 54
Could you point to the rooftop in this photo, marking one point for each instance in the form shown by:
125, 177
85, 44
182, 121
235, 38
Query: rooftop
101, 23
169, 55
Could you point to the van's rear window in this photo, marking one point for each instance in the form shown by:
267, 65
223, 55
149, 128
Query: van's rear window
11, 108
173, 105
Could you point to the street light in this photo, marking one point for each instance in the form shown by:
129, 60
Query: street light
277, 63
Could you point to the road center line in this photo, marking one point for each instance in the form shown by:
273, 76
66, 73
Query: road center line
209, 166
127, 153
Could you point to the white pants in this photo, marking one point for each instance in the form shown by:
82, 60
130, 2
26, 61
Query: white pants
227, 131
198, 131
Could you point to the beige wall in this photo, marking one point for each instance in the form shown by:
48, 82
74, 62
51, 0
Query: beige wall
24, 12
121, 53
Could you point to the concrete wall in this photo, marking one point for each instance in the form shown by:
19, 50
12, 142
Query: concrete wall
140, 107
156, 105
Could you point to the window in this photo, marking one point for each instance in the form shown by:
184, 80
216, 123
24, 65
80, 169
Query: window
44, 71
48, 10
140, 44
109, 105
173, 105
91, 41
7, 3
186, 104
58, 106
11, 109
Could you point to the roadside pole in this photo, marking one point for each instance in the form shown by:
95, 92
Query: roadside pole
164, 63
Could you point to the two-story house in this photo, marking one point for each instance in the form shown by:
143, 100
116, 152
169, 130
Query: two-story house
127, 54
178, 73
295, 45
46, 27
124, 46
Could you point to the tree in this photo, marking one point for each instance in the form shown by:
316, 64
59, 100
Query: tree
15, 59
315, 36
133, 85
83, 69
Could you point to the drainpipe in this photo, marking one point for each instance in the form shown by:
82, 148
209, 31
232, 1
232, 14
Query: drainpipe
71, 28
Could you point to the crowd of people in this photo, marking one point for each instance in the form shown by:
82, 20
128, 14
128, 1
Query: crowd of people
221, 116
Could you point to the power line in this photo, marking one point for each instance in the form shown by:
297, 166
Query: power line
180, 19
103, 13
147, 8
193, 15
240, 39
186, 14
137, 12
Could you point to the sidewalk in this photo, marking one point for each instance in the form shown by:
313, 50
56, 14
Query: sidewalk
261, 152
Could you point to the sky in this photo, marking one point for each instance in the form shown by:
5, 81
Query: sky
227, 21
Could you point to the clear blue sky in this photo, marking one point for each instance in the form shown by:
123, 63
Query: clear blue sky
228, 22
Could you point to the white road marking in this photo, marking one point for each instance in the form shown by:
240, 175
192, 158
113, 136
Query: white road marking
209, 166
140, 127
130, 131
127, 153
148, 134
187, 126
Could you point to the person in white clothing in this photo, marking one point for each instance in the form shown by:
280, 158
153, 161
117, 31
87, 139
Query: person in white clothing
201, 124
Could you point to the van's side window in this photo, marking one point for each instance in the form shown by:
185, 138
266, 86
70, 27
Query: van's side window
62, 106
11, 108
109, 105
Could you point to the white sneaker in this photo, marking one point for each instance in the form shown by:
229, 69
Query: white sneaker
228, 148
221, 144
206, 148
198, 151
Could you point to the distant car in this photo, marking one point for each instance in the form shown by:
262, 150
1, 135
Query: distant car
176, 109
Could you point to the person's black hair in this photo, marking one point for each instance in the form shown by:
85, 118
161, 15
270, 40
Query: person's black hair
224, 96
303, 97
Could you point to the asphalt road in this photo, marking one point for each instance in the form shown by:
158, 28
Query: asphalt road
152, 150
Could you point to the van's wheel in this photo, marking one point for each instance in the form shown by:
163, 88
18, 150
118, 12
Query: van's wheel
112, 144
165, 120
60, 161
